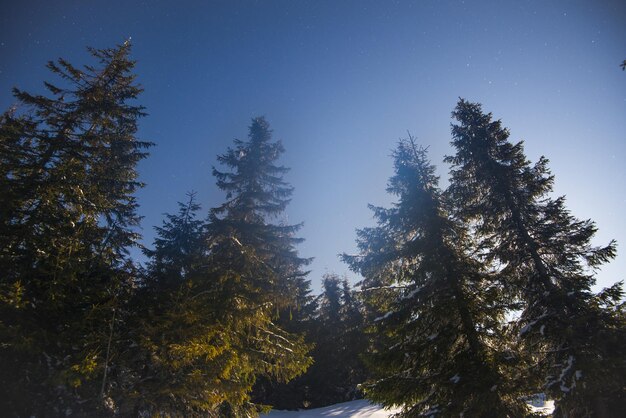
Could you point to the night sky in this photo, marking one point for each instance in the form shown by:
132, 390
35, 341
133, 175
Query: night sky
340, 82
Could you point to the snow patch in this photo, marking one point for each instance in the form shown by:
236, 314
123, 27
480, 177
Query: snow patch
380, 318
564, 372
539, 405
412, 293
354, 409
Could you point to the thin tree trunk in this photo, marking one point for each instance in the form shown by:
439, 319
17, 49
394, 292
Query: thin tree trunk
108, 354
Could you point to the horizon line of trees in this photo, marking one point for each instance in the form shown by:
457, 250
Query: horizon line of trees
474, 298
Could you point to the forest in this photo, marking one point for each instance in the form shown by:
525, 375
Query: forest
474, 297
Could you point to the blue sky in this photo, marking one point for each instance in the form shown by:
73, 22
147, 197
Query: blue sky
340, 82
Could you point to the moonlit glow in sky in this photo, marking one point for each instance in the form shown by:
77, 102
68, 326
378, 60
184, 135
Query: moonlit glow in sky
340, 82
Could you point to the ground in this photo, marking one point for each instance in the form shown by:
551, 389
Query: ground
355, 409
364, 409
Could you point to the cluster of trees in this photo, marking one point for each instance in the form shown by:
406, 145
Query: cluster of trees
473, 298
333, 324
483, 290
84, 330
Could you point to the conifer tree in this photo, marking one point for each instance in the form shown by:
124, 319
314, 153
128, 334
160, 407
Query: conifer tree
438, 349
324, 382
256, 194
253, 267
68, 217
301, 319
174, 336
354, 342
178, 248
336, 330
338, 368
573, 337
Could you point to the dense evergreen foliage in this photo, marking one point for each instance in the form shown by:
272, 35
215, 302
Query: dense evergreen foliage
335, 327
439, 348
84, 330
473, 299
576, 338
213, 290
445, 270
68, 217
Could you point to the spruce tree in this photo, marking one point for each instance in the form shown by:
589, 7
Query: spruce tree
68, 163
254, 262
174, 339
338, 369
336, 331
438, 347
354, 342
256, 195
324, 379
178, 248
573, 337
299, 318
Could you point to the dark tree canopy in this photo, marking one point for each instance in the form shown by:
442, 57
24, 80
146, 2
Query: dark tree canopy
574, 337
68, 164
214, 292
473, 299
334, 326
439, 349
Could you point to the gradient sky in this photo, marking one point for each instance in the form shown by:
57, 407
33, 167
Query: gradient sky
340, 82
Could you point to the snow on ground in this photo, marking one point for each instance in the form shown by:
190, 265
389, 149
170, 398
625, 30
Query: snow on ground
364, 409
354, 409
545, 409
540, 405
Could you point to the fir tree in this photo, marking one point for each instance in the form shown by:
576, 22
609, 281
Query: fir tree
354, 342
324, 381
257, 194
336, 330
178, 248
68, 218
340, 342
438, 349
174, 336
253, 271
574, 338
299, 318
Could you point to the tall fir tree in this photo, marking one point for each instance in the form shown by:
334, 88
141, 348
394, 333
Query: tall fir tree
438, 350
193, 355
256, 195
68, 164
254, 264
573, 337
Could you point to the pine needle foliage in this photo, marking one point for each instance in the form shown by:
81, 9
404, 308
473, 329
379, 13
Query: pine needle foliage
68, 164
573, 338
438, 349
254, 257
214, 291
